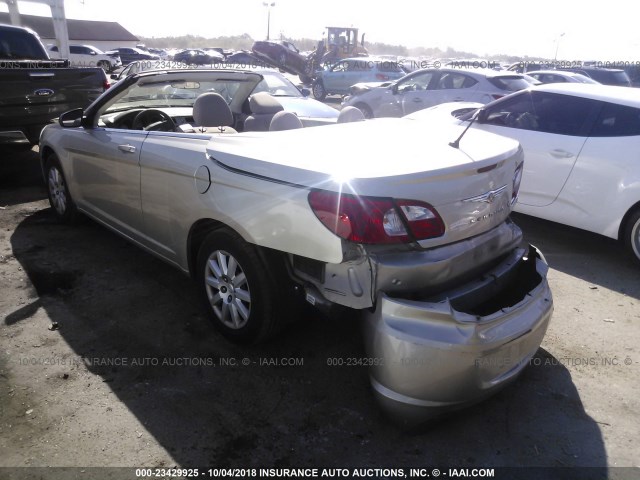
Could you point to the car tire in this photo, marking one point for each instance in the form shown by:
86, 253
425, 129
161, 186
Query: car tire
58, 191
632, 235
365, 109
282, 59
318, 90
106, 66
243, 292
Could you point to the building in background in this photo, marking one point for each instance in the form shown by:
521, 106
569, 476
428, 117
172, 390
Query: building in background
103, 35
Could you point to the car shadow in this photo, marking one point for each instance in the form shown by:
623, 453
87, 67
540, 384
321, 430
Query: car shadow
20, 177
210, 402
593, 258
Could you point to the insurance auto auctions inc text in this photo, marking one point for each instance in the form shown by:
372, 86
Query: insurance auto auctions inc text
363, 472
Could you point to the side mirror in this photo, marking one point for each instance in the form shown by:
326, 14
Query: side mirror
114, 76
71, 119
305, 92
394, 88
481, 116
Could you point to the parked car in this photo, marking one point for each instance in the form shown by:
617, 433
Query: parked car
161, 52
225, 52
193, 56
245, 58
128, 55
425, 250
88, 56
529, 66
606, 76
581, 145
310, 112
281, 54
560, 76
431, 86
36, 89
337, 79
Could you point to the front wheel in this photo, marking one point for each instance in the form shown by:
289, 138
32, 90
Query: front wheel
106, 66
632, 235
318, 90
365, 109
239, 288
59, 196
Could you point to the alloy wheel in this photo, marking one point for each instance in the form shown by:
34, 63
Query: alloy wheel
57, 190
227, 289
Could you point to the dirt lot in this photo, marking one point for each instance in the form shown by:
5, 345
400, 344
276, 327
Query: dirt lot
106, 359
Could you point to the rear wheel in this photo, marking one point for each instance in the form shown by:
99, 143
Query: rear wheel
240, 289
104, 65
632, 235
58, 191
282, 59
318, 90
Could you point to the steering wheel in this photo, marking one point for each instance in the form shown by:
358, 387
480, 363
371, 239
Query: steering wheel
153, 120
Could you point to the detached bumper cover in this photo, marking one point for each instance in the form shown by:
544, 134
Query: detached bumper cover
454, 350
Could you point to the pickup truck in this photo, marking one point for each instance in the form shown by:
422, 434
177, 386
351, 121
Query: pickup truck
36, 89
405, 226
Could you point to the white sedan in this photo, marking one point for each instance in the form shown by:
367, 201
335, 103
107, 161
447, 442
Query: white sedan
560, 76
582, 153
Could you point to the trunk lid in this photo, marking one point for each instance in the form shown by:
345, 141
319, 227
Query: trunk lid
470, 187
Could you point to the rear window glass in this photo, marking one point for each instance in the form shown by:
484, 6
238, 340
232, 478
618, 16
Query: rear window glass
390, 67
617, 121
510, 83
19, 45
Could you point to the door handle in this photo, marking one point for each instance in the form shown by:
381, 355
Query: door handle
417, 100
559, 153
127, 148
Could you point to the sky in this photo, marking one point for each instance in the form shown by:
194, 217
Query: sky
605, 31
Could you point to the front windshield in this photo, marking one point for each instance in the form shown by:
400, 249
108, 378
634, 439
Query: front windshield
277, 86
176, 93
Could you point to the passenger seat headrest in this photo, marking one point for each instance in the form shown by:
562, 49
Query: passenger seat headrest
262, 103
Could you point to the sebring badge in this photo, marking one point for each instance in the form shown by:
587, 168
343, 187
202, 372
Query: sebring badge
487, 197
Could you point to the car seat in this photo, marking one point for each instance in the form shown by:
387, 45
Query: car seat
350, 114
285, 121
263, 108
211, 114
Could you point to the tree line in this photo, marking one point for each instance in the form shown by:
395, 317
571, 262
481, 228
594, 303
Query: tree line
245, 41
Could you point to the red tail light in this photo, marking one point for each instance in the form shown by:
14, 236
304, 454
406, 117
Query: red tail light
381, 77
374, 220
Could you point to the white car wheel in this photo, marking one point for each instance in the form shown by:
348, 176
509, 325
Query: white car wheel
632, 235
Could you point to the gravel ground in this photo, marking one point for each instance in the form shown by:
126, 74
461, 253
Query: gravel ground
106, 359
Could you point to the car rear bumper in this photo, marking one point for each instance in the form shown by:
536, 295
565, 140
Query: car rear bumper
429, 357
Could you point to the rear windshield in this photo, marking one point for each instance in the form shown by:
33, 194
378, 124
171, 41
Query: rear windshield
366, 65
510, 83
20, 45
620, 78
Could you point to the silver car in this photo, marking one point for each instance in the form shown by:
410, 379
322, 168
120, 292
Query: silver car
432, 86
411, 231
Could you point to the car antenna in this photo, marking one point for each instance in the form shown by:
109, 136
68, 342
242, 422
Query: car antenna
456, 144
